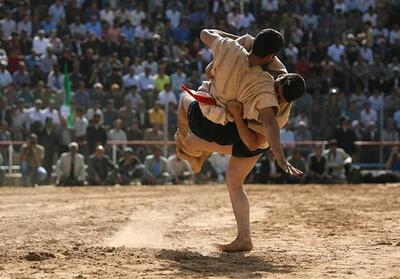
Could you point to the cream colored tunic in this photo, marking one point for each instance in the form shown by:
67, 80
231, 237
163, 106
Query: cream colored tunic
234, 79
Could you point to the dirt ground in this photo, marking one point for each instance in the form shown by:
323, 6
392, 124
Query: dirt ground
167, 232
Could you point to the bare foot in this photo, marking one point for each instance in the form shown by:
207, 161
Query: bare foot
237, 245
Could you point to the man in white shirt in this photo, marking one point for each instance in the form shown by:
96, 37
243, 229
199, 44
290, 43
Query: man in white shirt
366, 53
394, 35
107, 14
143, 31
40, 43
167, 95
269, 5
117, 133
370, 16
36, 113
80, 125
137, 15
77, 27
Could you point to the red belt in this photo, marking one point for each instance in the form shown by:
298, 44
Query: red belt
201, 99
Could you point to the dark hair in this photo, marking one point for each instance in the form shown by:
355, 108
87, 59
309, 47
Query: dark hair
267, 41
294, 86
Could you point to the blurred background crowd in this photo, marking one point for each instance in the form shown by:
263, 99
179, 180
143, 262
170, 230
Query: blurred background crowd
124, 61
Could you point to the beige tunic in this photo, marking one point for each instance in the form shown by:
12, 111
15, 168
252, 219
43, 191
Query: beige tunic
234, 79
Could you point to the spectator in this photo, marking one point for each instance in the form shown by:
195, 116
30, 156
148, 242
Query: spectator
1, 170
40, 43
95, 134
101, 170
166, 96
81, 96
117, 133
370, 154
336, 158
21, 76
219, 163
146, 80
130, 170
393, 162
154, 133
134, 132
5, 111
52, 112
156, 165
297, 160
180, 170
31, 158
156, 115
396, 117
57, 12
48, 138
133, 97
5, 76
316, 166
345, 136
368, 115
70, 167
161, 79
177, 78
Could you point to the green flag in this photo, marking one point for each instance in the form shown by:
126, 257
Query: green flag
67, 97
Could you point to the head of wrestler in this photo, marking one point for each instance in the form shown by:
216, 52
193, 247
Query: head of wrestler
289, 87
266, 45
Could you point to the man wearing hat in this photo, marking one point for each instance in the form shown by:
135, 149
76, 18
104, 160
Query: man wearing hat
70, 167
31, 158
130, 169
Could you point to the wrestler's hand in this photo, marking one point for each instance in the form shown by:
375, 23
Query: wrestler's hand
208, 70
235, 108
288, 168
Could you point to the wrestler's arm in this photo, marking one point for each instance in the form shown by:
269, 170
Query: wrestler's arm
268, 118
250, 138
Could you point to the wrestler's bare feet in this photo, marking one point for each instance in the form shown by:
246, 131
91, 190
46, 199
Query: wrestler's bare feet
238, 245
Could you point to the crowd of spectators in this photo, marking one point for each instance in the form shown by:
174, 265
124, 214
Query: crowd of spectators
126, 59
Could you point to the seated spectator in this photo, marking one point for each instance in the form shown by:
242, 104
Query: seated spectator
219, 163
1, 170
180, 170
31, 159
101, 170
393, 162
96, 134
133, 97
154, 133
336, 159
316, 166
370, 153
297, 160
167, 96
156, 165
134, 132
130, 170
127, 113
70, 167
156, 114
110, 114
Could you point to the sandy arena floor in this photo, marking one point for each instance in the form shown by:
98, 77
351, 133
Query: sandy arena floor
167, 232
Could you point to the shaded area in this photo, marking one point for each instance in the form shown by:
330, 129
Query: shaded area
237, 265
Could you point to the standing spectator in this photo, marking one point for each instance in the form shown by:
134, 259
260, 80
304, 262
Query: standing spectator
48, 138
101, 170
70, 167
345, 136
96, 134
156, 165
116, 133
180, 170
336, 158
31, 158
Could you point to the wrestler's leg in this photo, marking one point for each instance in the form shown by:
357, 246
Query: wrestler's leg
238, 169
